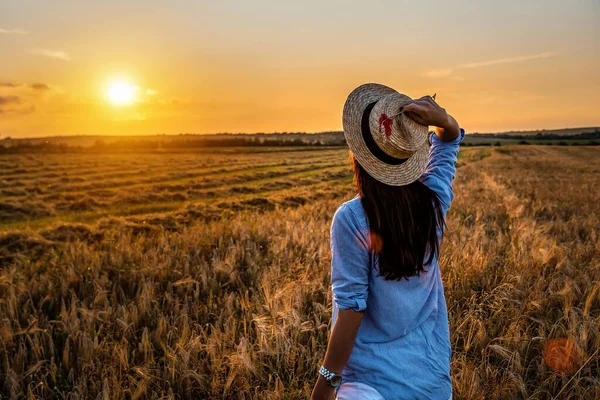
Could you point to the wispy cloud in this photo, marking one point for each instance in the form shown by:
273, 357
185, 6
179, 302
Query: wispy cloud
9, 100
60, 55
510, 60
11, 84
444, 72
13, 31
19, 98
18, 111
42, 87
38, 86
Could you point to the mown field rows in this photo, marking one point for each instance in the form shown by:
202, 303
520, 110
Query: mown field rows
224, 291
101, 165
161, 179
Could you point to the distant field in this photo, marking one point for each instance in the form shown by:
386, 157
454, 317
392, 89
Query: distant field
545, 132
475, 140
205, 273
570, 136
42, 189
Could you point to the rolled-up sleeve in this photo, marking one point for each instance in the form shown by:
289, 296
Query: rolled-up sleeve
350, 261
441, 169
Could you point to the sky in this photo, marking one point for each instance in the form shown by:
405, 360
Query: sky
133, 67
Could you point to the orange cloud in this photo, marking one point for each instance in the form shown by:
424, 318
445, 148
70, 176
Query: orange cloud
444, 72
13, 31
60, 55
9, 100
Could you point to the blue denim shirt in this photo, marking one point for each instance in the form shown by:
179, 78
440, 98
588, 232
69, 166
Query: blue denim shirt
402, 348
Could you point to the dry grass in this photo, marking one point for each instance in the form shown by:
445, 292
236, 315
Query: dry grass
227, 294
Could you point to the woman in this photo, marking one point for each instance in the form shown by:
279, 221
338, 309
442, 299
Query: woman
390, 336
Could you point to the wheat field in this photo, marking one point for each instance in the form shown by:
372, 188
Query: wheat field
205, 274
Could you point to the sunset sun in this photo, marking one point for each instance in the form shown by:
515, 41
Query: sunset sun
121, 93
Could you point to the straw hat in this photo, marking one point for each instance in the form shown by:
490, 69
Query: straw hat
391, 147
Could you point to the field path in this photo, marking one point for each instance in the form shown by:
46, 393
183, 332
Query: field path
525, 233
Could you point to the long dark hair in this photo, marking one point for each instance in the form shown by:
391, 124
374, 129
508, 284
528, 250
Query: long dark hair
404, 221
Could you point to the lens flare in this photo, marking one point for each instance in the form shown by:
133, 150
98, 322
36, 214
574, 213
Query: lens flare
563, 355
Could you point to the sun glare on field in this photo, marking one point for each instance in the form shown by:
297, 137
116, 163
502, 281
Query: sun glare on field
121, 93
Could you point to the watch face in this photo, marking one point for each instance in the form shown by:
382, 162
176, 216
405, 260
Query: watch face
336, 380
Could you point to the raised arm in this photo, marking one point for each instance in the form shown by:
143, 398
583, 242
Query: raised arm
441, 168
427, 112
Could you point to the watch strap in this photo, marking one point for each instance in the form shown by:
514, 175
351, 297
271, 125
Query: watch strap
329, 375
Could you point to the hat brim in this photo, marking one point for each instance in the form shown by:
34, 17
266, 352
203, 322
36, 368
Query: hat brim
393, 175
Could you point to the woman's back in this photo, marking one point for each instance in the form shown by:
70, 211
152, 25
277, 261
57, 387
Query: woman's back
402, 348
402, 345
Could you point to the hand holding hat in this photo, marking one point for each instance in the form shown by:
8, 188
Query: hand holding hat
427, 112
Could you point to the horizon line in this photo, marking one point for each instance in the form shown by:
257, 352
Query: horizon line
8, 137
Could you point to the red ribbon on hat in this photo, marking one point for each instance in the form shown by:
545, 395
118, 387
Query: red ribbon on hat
387, 124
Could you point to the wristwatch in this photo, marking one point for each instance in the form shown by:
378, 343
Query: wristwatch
334, 380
